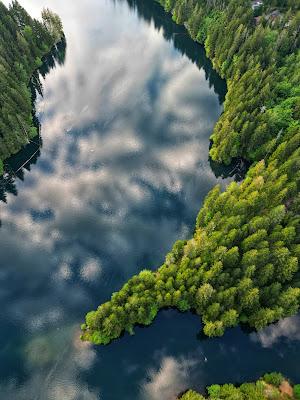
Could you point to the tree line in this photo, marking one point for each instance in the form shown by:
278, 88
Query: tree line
23, 43
241, 266
253, 58
270, 386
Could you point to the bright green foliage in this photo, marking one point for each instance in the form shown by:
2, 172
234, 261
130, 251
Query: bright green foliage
23, 43
274, 378
191, 395
261, 390
297, 391
261, 65
226, 273
242, 263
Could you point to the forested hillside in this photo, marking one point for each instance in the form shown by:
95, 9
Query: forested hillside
241, 266
23, 43
271, 386
259, 58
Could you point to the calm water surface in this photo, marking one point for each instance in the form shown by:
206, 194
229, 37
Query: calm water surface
123, 170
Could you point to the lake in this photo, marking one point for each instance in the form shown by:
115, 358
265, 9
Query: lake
121, 174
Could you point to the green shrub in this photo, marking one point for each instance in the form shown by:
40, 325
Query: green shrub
274, 378
214, 391
297, 391
191, 395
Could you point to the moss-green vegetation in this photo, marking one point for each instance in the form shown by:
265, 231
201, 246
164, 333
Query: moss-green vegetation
297, 392
242, 263
263, 389
23, 43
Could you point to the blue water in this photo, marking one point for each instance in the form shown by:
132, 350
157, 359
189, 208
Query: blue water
122, 172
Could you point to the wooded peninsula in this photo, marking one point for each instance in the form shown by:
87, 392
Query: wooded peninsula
241, 265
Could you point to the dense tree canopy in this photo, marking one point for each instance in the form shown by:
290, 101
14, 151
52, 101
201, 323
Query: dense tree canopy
23, 43
252, 55
242, 263
271, 386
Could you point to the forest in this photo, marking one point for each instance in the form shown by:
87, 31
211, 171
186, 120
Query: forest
270, 386
241, 265
24, 42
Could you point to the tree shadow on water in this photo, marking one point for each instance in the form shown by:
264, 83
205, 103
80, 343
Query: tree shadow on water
15, 166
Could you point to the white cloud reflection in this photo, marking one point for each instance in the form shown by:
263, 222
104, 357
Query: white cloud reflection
113, 141
173, 377
54, 361
288, 328
90, 270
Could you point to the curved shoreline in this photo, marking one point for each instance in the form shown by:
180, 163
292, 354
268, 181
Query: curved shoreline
31, 87
240, 266
33, 41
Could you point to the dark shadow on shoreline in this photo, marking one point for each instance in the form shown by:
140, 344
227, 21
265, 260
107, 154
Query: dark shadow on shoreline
237, 169
153, 13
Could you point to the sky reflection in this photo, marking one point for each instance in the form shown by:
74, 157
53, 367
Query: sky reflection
122, 173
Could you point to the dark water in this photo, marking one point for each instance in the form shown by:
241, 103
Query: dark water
122, 172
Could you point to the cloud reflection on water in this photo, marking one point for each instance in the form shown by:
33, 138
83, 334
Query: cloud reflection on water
110, 166
286, 329
173, 377
54, 361
123, 171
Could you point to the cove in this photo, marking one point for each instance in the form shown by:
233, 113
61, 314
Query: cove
122, 173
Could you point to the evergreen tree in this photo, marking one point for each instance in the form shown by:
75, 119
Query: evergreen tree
23, 43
